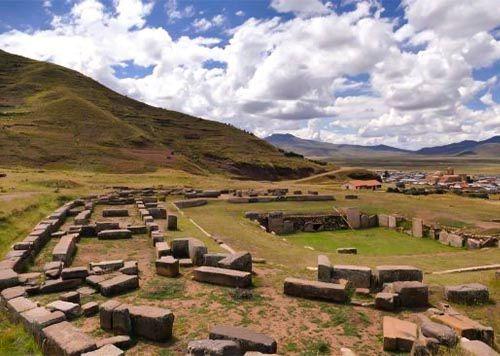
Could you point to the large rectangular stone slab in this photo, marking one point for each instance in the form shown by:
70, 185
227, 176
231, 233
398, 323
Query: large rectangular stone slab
222, 276
248, 339
114, 213
59, 285
412, 294
417, 227
114, 234
74, 272
18, 305
106, 314
241, 261
106, 225
119, 284
65, 249
399, 335
359, 276
66, 340
304, 288
394, 273
167, 266
152, 323
8, 278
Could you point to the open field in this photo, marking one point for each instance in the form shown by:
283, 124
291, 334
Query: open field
467, 165
300, 326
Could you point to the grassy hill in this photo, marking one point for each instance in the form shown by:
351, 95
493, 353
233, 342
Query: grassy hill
53, 117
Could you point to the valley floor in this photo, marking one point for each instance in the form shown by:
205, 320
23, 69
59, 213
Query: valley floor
300, 326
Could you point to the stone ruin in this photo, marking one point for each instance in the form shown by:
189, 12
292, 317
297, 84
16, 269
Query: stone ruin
282, 223
49, 324
393, 287
400, 287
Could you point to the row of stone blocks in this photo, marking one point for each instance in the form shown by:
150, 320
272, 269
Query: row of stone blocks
363, 276
24, 251
154, 211
54, 334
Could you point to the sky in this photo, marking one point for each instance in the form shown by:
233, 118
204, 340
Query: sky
409, 73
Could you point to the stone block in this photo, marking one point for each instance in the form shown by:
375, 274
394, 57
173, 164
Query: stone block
387, 301
247, 339
304, 288
122, 323
412, 294
119, 284
171, 222
11, 293
73, 297
70, 310
347, 250
107, 350
444, 334
167, 266
158, 213
74, 272
394, 273
476, 348
325, 269
123, 342
106, 225
65, 249
180, 248
107, 266
106, 314
359, 276
197, 250
162, 249
157, 236
399, 335
90, 309
66, 340
465, 327
107, 213
353, 217
213, 347
222, 276
130, 268
59, 285
212, 259
185, 262
8, 278
114, 234
417, 227
241, 261
18, 305
472, 293
137, 229
392, 222
152, 323
383, 220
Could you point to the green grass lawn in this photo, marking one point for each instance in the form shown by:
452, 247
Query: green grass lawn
369, 242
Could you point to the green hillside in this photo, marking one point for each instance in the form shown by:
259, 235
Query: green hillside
53, 117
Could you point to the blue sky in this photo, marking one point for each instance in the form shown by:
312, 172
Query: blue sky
410, 74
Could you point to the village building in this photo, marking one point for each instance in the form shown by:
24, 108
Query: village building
363, 184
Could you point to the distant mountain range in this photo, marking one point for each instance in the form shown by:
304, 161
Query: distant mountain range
319, 149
